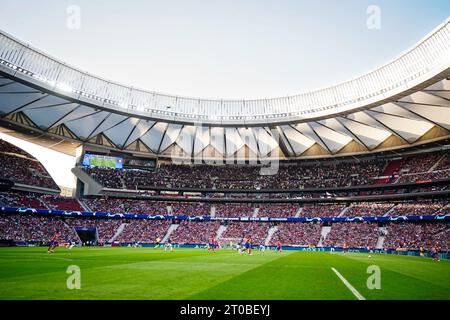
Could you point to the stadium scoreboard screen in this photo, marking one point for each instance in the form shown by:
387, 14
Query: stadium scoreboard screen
93, 160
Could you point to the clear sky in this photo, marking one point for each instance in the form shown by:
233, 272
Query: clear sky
220, 49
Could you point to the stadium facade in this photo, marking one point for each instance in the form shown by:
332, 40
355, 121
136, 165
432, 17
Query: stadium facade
401, 104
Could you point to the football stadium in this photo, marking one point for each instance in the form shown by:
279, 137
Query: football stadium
338, 193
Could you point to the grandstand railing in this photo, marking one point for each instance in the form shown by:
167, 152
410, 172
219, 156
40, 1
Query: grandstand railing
428, 58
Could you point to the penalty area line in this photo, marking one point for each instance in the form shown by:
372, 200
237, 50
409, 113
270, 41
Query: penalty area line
348, 285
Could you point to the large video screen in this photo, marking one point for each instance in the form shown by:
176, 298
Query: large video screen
94, 160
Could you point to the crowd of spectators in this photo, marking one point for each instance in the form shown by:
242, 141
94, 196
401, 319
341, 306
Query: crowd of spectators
322, 210
425, 176
179, 208
234, 210
56, 202
24, 227
21, 200
21, 169
372, 209
416, 208
398, 235
238, 230
123, 205
297, 234
421, 163
278, 210
195, 232
107, 177
318, 174
7, 147
425, 167
190, 209
143, 231
415, 235
444, 163
352, 235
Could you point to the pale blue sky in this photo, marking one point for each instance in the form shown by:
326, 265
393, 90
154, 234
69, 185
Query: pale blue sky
229, 49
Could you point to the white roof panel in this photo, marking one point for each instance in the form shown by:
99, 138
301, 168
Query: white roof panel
172, 132
186, 139
409, 129
333, 139
299, 142
83, 127
119, 134
201, 139
233, 141
153, 137
217, 139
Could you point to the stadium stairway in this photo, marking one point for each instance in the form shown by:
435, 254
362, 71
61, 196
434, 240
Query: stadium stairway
45, 204
73, 231
382, 231
298, 213
343, 211
444, 209
391, 168
84, 205
212, 211
220, 231
437, 163
172, 228
323, 235
255, 212
270, 234
389, 211
118, 232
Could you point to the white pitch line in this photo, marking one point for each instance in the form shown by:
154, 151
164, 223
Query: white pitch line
348, 285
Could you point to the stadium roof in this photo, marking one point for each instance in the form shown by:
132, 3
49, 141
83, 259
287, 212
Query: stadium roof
405, 102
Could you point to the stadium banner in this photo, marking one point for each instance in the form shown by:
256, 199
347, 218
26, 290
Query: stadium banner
403, 252
444, 217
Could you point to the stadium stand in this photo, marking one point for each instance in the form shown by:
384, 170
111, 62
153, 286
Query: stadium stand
190, 209
352, 235
106, 228
373, 209
20, 167
234, 209
21, 199
61, 203
239, 230
322, 210
195, 232
297, 234
37, 228
403, 235
34, 228
416, 235
143, 231
307, 175
417, 208
275, 210
122, 205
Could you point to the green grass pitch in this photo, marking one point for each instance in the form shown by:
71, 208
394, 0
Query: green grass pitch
149, 273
